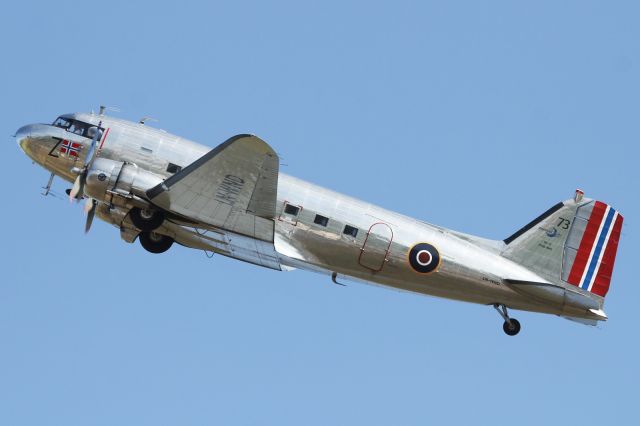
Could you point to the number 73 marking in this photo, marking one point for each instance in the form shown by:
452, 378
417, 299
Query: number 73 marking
563, 223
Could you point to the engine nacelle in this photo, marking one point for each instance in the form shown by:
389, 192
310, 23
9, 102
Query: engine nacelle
118, 183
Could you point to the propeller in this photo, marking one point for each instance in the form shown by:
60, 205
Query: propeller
90, 210
77, 191
78, 186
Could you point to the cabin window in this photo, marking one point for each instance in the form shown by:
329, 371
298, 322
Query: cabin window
173, 168
291, 209
350, 230
290, 213
321, 220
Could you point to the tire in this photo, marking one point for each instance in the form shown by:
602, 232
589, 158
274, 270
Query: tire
155, 243
145, 219
513, 328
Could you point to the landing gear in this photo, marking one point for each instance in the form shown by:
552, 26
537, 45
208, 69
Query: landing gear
511, 326
155, 243
146, 219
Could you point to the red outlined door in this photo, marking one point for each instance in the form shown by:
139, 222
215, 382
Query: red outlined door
374, 251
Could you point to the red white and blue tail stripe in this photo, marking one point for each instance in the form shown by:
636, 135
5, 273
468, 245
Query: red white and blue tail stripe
596, 253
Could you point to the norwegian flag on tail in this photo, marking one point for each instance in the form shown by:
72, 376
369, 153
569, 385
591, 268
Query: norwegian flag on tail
597, 227
70, 149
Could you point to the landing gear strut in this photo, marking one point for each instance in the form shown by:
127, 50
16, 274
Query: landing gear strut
511, 326
146, 219
155, 243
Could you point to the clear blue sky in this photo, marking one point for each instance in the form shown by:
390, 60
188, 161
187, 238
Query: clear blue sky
474, 115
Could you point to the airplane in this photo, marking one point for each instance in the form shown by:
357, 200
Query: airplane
233, 200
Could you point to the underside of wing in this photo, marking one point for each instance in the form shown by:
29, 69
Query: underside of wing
234, 186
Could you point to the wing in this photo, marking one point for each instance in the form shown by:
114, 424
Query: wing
233, 186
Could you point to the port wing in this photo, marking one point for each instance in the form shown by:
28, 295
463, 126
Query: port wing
233, 186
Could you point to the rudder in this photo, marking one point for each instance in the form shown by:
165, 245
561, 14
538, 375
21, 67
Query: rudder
590, 249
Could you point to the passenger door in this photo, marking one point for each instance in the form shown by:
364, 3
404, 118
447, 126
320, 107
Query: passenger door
374, 251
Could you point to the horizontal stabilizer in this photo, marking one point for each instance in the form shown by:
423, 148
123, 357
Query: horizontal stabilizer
582, 321
555, 294
597, 315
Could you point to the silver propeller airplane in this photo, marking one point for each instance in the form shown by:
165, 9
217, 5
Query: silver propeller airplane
232, 200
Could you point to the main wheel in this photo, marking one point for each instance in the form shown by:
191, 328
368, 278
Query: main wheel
512, 328
155, 243
146, 219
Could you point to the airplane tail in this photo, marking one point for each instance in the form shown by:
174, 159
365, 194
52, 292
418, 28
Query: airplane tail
574, 241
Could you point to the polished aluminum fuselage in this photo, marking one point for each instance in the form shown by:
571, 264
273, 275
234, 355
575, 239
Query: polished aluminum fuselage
471, 268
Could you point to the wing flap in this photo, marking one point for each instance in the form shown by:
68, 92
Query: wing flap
233, 186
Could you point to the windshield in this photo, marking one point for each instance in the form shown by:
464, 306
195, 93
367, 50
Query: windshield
78, 127
62, 123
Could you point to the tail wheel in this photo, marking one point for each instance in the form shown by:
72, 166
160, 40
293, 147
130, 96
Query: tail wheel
146, 219
511, 327
154, 242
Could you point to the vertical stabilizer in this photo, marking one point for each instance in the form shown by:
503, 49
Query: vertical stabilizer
574, 242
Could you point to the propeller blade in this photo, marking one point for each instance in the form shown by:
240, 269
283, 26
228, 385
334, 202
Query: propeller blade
78, 186
88, 205
77, 189
90, 208
91, 153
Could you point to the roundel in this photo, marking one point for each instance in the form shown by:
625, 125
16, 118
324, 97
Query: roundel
424, 258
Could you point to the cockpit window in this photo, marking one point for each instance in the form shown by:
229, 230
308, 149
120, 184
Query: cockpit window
78, 127
62, 123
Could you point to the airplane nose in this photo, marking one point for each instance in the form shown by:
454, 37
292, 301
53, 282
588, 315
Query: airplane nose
35, 140
22, 137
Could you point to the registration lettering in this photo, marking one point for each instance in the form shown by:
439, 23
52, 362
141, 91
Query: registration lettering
229, 189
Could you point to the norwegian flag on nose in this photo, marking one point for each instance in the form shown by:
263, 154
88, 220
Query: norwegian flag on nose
71, 149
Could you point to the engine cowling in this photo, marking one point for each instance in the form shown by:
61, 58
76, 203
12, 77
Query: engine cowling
119, 183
